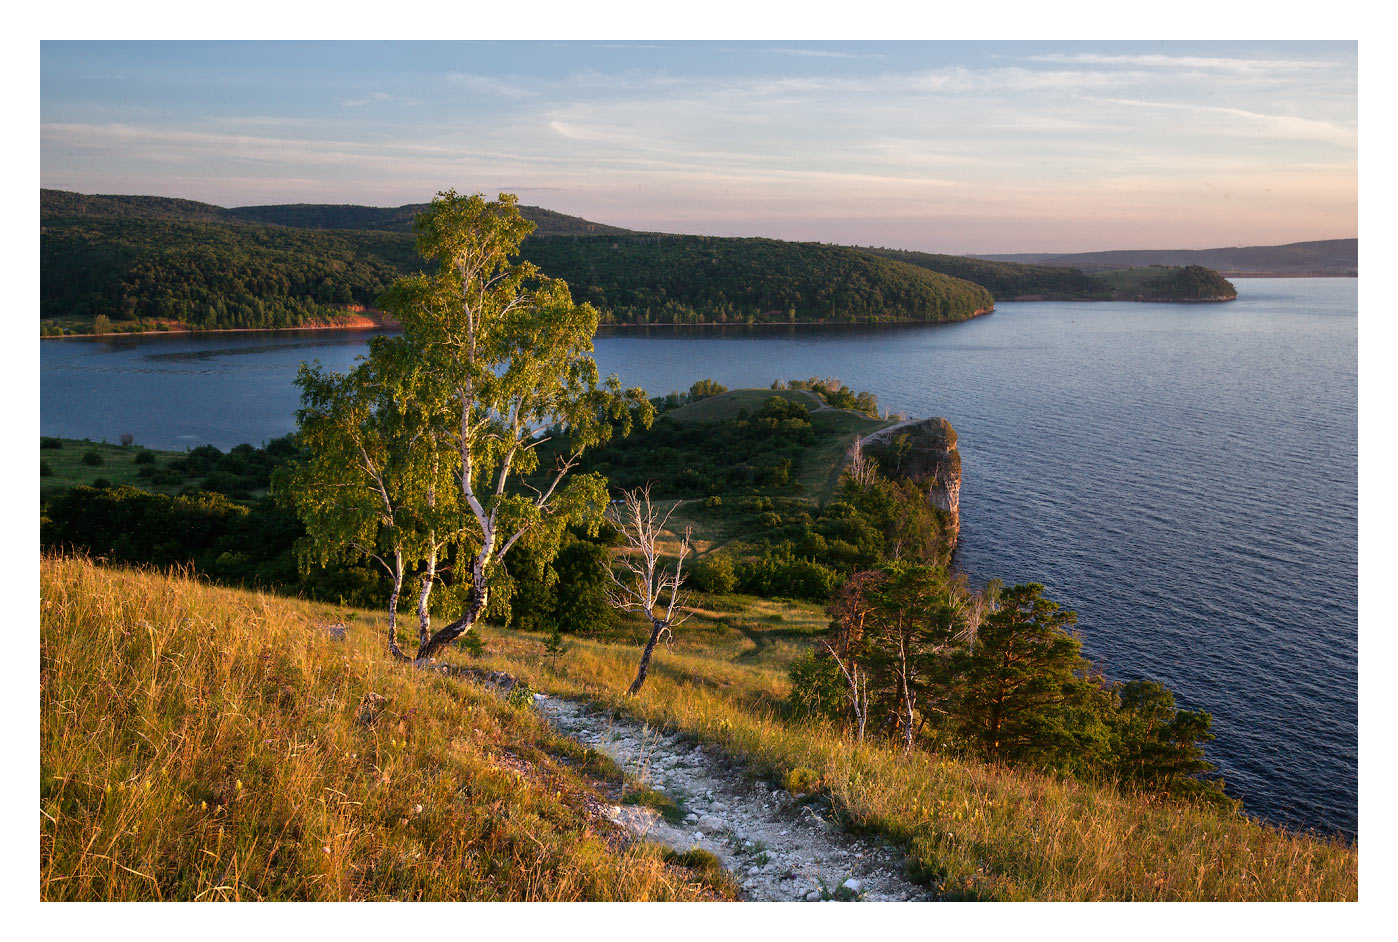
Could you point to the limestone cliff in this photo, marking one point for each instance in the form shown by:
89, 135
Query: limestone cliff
923, 451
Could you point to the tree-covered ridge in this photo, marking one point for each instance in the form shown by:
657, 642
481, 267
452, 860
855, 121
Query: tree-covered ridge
703, 279
1190, 283
1005, 280
140, 272
55, 204
211, 275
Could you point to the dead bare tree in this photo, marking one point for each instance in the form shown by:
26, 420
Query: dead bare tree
858, 683
647, 582
860, 467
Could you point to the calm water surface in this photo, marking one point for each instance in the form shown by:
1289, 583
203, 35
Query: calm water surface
1183, 476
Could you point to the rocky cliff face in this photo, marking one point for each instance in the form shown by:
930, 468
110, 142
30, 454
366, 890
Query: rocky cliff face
924, 451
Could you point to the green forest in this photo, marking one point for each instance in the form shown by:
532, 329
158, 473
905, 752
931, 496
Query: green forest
136, 263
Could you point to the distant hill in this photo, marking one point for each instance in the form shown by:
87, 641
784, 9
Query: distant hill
1327, 257
708, 279
1006, 280
149, 263
66, 204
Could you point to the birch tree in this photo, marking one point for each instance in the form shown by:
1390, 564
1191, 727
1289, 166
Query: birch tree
494, 363
648, 587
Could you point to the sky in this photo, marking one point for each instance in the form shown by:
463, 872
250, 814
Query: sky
957, 147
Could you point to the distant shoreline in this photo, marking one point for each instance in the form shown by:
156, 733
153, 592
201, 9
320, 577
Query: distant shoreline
188, 331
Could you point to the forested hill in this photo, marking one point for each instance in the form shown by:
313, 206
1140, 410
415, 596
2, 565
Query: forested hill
706, 279
55, 204
1326, 257
150, 263
1005, 280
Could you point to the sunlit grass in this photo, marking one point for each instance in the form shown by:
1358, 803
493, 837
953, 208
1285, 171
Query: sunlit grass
975, 831
203, 743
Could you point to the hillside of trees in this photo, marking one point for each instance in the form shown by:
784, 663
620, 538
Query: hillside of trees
210, 275
1330, 257
1006, 280
143, 261
693, 279
60, 204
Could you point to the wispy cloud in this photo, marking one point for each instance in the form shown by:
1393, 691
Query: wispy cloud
367, 100
1160, 61
822, 53
1239, 121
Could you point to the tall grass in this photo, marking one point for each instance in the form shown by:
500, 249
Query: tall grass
974, 830
201, 743
204, 743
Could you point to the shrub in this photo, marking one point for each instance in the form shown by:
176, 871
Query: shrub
817, 687
801, 781
714, 573
521, 695
714, 502
144, 456
705, 388
50, 442
92, 459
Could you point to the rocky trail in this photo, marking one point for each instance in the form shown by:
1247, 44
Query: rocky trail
777, 845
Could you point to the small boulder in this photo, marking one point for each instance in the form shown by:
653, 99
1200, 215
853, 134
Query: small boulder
710, 824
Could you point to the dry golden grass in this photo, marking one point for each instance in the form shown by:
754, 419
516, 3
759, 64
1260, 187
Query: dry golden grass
977, 831
202, 743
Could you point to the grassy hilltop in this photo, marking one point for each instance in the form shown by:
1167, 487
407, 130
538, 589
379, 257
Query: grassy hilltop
207, 743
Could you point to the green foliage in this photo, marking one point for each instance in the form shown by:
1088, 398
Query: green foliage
836, 394
146, 261
705, 388
564, 594
1190, 283
45, 469
521, 696
1155, 744
210, 275
778, 573
685, 459
144, 457
53, 443
1004, 280
801, 780
422, 453
645, 279
92, 459
714, 573
1029, 695
818, 689
554, 645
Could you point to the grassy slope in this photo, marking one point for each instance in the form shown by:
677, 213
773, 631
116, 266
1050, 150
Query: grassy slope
201, 743
160, 696
976, 831
118, 466
835, 429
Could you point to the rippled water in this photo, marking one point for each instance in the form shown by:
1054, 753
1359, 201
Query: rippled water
1183, 476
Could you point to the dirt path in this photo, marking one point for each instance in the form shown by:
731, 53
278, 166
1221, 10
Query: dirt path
776, 845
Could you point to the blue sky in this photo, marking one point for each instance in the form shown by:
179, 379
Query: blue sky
956, 147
